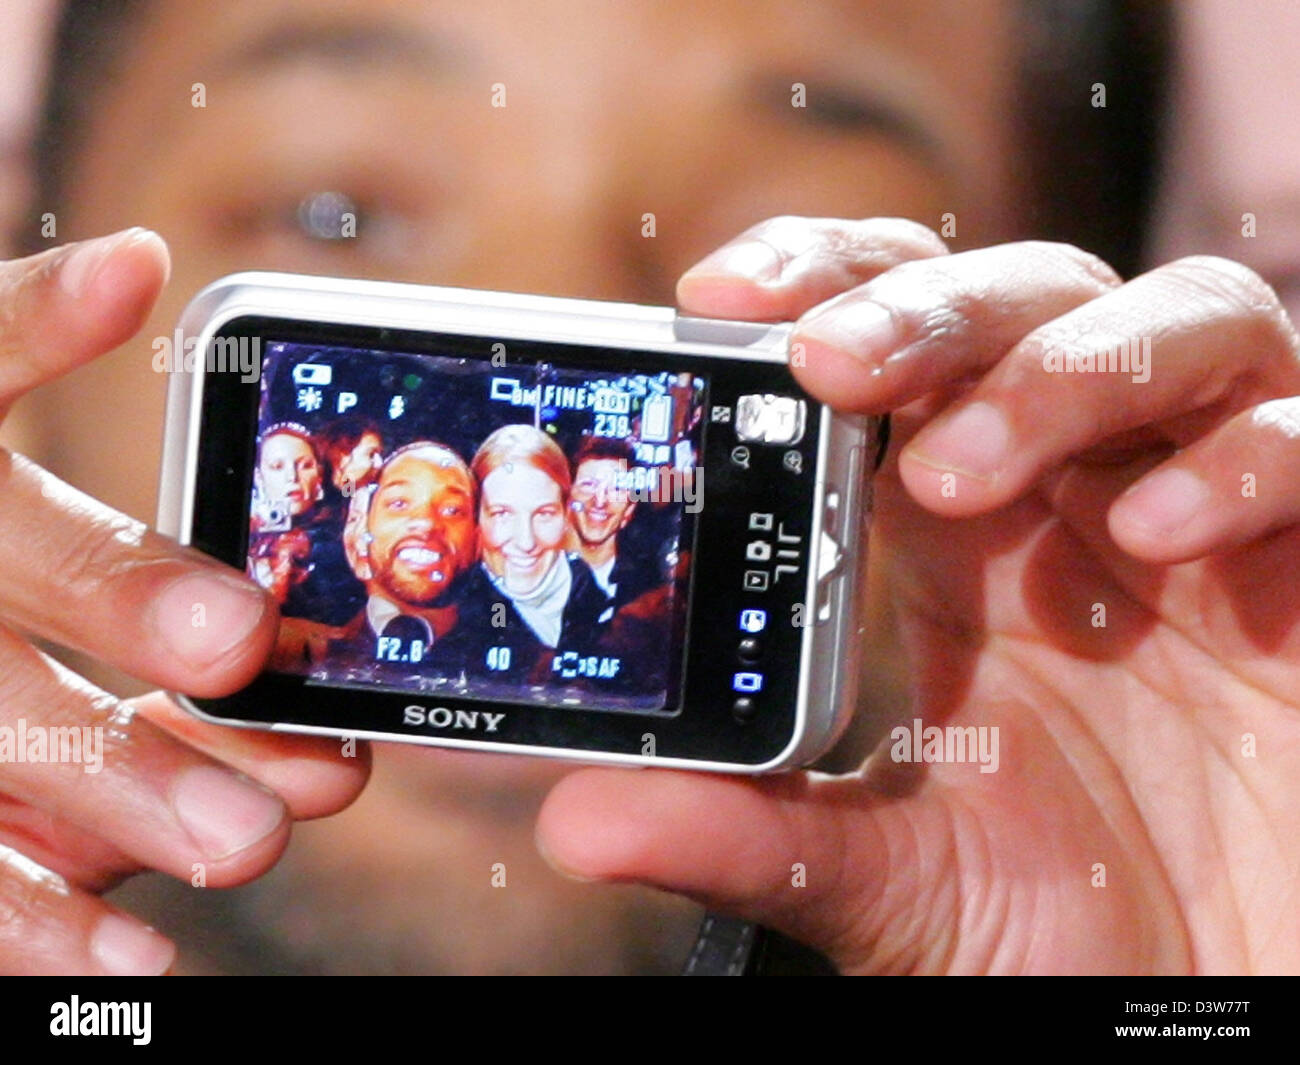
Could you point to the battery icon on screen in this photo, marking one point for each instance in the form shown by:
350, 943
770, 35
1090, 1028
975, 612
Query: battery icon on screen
657, 419
313, 373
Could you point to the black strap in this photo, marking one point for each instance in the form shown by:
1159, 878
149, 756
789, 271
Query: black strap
728, 946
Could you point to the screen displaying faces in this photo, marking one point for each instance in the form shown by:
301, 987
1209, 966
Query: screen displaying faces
447, 526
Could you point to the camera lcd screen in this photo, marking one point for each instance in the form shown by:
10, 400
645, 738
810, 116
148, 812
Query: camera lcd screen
477, 528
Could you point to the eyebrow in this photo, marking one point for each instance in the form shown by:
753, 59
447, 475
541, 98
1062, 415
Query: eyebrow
841, 104
349, 44
403, 482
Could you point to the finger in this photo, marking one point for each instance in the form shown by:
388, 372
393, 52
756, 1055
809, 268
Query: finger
80, 857
772, 851
776, 270
1183, 346
83, 575
1231, 487
931, 323
51, 928
315, 777
90, 762
65, 306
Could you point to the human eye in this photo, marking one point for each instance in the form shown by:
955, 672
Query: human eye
335, 220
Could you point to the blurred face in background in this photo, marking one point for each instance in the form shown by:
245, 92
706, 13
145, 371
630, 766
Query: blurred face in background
589, 149
289, 471
1232, 182
602, 505
383, 110
359, 465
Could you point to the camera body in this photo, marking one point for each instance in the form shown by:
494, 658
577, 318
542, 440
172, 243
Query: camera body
523, 524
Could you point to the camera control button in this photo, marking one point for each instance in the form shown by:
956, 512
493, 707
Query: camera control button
829, 557
744, 709
750, 649
769, 419
831, 511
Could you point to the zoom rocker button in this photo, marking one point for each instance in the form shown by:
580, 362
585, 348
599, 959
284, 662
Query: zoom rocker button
769, 419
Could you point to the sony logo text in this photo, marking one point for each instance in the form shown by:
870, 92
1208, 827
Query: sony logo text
441, 717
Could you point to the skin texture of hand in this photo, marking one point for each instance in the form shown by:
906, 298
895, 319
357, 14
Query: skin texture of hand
1100, 566
173, 794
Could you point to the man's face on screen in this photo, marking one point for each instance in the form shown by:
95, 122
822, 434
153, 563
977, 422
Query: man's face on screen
421, 527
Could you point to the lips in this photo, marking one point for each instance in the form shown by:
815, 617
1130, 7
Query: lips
524, 562
419, 557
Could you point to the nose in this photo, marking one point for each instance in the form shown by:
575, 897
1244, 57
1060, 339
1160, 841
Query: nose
556, 251
562, 216
522, 534
421, 521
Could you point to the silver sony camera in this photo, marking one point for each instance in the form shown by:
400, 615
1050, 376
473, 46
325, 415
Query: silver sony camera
522, 524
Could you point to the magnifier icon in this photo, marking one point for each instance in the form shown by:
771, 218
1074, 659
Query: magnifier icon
740, 456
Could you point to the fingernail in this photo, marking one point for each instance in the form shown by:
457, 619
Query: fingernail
84, 260
123, 947
549, 859
1166, 501
751, 259
974, 441
223, 813
861, 328
203, 618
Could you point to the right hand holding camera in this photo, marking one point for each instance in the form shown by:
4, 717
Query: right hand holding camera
151, 787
